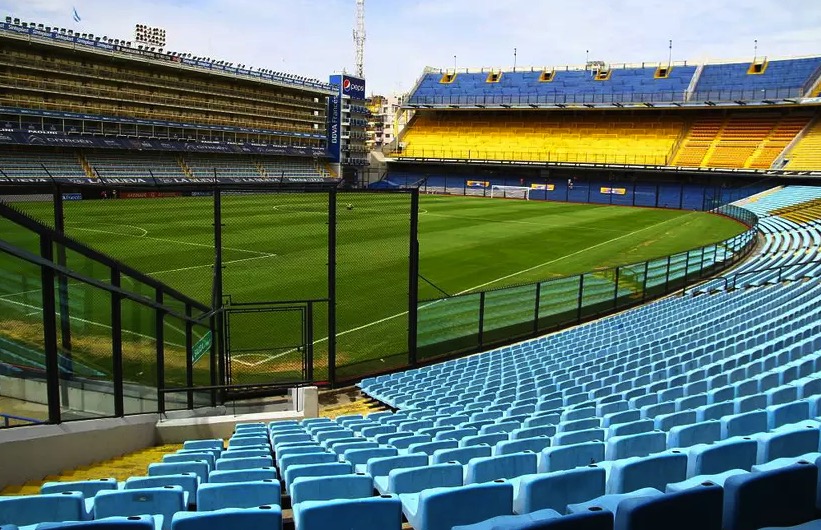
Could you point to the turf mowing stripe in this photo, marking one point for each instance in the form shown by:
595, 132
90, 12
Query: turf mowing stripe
466, 291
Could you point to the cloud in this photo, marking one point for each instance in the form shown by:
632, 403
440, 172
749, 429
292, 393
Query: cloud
314, 37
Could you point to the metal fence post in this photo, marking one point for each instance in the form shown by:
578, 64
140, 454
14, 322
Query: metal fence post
536, 307
413, 278
222, 348
309, 342
50, 331
159, 338
616, 290
62, 290
581, 296
189, 358
644, 282
481, 317
332, 287
117, 343
667, 276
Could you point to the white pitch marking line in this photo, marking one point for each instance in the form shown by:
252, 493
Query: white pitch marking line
403, 313
165, 240
11, 295
230, 262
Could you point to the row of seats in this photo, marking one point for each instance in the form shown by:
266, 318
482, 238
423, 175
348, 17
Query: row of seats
738, 140
806, 154
40, 164
713, 82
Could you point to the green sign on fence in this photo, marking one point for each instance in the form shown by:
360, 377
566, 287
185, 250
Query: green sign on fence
202, 347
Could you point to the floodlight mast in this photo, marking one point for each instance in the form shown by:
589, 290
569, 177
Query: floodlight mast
359, 38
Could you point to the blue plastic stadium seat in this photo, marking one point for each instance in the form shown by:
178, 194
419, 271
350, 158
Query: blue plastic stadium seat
253, 462
359, 457
571, 456
192, 457
380, 468
611, 502
282, 452
430, 447
355, 486
786, 441
444, 508
517, 446
704, 432
577, 437
32, 509
733, 453
487, 469
642, 444
416, 479
557, 489
135, 522
308, 458
229, 519
373, 513
165, 501
245, 441
655, 471
316, 470
238, 495
242, 475
631, 427
204, 444
780, 497
545, 520
699, 508
189, 482
784, 414
463, 455
743, 424
199, 468
88, 488
487, 439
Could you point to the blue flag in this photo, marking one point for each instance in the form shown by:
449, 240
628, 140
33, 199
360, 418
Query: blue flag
76, 15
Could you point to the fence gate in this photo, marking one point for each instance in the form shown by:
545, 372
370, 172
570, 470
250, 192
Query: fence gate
268, 343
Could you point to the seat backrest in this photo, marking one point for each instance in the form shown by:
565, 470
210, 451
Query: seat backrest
238, 495
355, 486
33, 509
414, 480
361, 456
316, 470
461, 455
260, 517
242, 475
88, 488
189, 482
378, 467
571, 456
372, 513
699, 507
252, 462
733, 453
642, 444
165, 501
654, 471
744, 424
557, 489
780, 497
200, 468
449, 507
490, 468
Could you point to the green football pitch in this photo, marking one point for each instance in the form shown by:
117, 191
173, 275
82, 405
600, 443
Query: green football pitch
275, 248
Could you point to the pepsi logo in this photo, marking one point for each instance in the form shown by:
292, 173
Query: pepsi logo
346, 84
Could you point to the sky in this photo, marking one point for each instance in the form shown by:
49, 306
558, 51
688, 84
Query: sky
314, 38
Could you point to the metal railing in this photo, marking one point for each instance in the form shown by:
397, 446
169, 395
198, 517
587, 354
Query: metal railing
586, 98
479, 320
534, 156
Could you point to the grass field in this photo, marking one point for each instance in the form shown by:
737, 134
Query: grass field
275, 248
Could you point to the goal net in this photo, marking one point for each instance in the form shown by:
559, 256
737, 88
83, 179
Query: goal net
510, 192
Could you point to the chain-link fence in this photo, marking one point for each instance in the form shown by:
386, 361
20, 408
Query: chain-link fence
479, 320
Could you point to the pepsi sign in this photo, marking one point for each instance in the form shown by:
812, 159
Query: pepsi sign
353, 87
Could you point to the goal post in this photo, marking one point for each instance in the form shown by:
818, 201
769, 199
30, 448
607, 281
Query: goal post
510, 192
